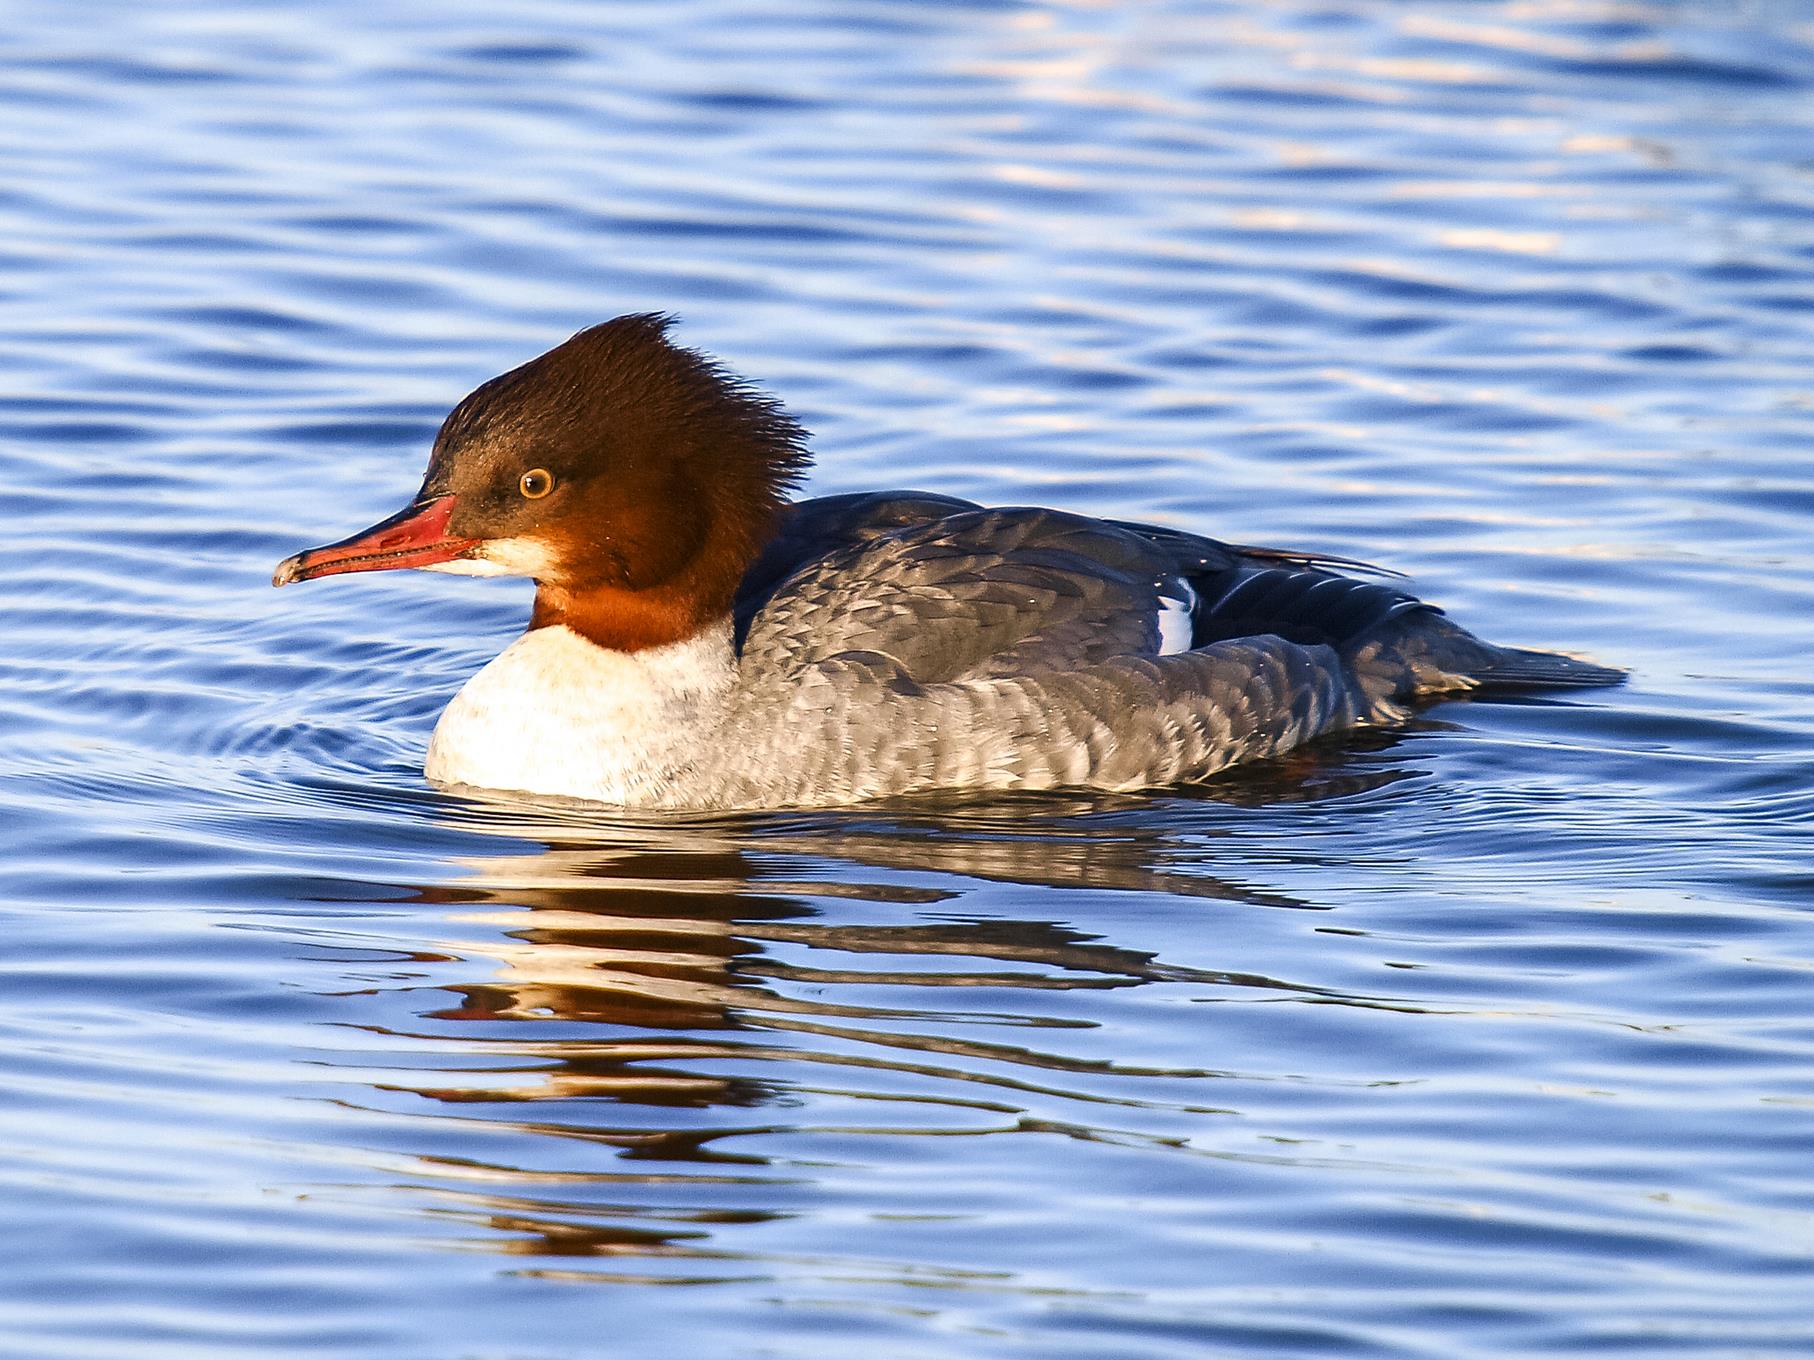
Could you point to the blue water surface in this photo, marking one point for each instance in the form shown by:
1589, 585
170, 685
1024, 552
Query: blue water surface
1486, 1038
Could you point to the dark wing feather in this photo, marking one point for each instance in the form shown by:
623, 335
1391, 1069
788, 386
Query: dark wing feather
825, 525
966, 593
930, 589
1300, 603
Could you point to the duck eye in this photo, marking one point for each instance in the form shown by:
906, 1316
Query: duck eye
536, 483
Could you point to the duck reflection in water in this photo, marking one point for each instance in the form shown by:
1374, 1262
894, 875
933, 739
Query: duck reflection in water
646, 939
644, 975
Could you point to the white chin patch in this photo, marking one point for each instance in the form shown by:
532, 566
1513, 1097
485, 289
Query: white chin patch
501, 557
467, 566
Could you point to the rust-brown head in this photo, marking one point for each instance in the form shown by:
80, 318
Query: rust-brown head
633, 479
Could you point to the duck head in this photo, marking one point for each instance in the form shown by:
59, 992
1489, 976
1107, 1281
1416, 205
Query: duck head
634, 480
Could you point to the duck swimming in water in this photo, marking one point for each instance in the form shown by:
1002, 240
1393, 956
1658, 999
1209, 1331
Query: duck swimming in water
701, 641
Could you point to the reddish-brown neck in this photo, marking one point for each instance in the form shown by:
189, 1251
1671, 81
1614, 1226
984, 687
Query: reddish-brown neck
612, 610
624, 620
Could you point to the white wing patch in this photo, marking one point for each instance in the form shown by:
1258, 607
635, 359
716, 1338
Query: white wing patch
1176, 602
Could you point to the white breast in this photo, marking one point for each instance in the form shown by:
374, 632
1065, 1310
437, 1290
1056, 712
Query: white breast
557, 714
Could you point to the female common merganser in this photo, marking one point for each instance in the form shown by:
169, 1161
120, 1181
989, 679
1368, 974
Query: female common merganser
699, 641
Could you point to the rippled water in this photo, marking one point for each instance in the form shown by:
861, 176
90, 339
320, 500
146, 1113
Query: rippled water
1486, 1038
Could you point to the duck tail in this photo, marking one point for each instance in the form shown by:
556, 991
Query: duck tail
1518, 668
1422, 655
